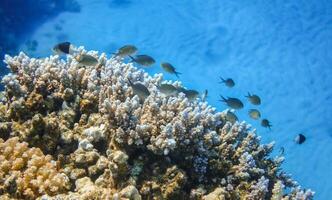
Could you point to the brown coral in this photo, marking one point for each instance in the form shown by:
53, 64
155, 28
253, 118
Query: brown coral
27, 173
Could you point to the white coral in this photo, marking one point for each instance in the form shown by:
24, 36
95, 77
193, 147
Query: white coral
94, 134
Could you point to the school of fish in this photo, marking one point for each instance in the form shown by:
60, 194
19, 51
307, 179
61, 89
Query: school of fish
170, 90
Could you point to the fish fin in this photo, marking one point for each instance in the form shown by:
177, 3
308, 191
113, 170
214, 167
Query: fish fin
222, 99
248, 95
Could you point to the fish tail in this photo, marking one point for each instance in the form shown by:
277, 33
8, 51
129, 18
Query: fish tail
177, 74
248, 95
132, 58
222, 80
222, 99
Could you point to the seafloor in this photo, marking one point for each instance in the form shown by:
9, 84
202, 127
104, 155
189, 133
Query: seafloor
277, 49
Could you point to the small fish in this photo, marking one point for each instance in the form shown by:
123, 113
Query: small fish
204, 95
228, 82
169, 68
300, 138
140, 90
254, 99
266, 123
191, 94
168, 89
86, 60
63, 47
254, 114
144, 60
230, 116
232, 102
126, 50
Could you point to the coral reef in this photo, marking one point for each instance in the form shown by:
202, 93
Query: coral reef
107, 143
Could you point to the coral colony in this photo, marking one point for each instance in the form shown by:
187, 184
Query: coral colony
69, 131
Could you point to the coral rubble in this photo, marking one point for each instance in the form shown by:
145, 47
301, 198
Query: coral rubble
79, 132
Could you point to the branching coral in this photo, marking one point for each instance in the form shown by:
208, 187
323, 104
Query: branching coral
112, 144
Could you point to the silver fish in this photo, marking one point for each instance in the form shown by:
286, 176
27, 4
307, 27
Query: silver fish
228, 82
266, 123
167, 89
254, 114
231, 117
254, 99
140, 90
190, 94
126, 50
169, 68
144, 60
232, 102
181, 89
86, 60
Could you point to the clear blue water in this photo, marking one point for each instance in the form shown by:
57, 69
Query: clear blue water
280, 50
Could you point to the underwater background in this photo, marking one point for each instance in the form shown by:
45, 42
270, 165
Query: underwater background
280, 50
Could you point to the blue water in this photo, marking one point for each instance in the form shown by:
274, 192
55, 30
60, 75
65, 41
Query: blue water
280, 50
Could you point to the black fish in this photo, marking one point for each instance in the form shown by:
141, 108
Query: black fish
228, 82
266, 123
63, 47
300, 138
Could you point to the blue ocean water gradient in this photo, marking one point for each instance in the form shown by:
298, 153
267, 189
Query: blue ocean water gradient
280, 50
20, 18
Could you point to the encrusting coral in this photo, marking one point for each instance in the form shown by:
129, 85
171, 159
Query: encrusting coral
107, 143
